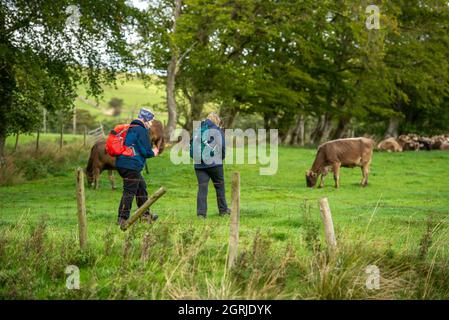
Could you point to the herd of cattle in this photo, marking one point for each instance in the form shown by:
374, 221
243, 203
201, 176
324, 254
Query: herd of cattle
330, 157
358, 152
413, 142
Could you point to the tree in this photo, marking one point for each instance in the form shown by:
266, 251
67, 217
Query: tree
295, 61
417, 67
159, 51
48, 48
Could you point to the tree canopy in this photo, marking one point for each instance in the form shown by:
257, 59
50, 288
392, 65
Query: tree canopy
48, 48
284, 59
291, 64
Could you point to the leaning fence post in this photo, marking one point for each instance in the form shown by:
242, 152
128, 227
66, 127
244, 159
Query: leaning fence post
326, 216
235, 217
140, 211
81, 201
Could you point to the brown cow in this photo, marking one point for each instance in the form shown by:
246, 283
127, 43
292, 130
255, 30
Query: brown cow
390, 145
341, 153
100, 160
445, 146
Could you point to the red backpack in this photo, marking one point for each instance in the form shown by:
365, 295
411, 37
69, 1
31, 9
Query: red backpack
115, 144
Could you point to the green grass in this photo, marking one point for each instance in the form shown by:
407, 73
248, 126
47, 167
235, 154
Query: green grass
282, 251
43, 137
134, 94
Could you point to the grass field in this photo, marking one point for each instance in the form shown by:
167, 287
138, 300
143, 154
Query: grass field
399, 223
134, 93
44, 137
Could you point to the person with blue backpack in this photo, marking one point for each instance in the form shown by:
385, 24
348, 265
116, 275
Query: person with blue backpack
208, 150
130, 166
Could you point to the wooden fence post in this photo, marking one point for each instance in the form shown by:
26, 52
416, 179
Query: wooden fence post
140, 211
74, 121
45, 121
326, 216
81, 201
145, 247
61, 138
85, 135
235, 219
17, 142
37, 140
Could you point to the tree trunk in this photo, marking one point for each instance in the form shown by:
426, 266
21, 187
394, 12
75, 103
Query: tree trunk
341, 129
17, 142
302, 132
61, 124
228, 116
322, 129
289, 137
2, 147
266, 121
171, 100
171, 79
196, 108
393, 128
196, 101
45, 120
7, 83
298, 132
74, 120
37, 140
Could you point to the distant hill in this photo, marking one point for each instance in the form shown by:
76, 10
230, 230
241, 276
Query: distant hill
134, 95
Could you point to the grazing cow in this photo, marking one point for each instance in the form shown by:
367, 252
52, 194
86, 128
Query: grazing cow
409, 142
390, 145
341, 153
100, 160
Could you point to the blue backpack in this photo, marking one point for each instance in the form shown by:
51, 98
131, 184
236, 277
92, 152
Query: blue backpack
208, 148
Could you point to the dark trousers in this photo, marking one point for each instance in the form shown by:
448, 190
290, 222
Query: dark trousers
216, 175
133, 186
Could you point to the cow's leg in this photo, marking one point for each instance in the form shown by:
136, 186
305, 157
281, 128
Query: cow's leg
336, 169
96, 178
323, 176
111, 178
365, 172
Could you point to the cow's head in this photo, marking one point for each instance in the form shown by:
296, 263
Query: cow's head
157, 135
311, 178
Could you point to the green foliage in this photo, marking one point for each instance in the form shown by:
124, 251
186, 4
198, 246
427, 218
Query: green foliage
281, 59
44, 59
49, 161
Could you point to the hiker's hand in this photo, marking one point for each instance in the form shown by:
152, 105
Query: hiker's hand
155, 151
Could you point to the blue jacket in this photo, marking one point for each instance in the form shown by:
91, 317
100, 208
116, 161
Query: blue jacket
220, 144
138, 138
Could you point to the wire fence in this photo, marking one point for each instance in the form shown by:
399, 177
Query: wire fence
57, 198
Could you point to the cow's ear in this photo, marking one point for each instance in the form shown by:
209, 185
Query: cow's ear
308, 173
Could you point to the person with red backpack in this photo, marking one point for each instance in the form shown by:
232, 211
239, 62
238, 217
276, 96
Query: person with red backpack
136, 148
